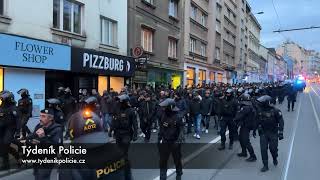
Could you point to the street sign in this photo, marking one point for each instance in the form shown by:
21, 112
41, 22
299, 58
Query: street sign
141, 63
137, 52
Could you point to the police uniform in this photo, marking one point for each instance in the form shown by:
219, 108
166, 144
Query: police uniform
270, 127
229, 109
170, 137
245, 118
8, 125
124, 123
104, 160
25, 110
58, 114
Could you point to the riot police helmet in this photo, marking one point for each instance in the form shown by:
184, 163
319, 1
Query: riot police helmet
265, 100
123, 98
23, 92
6, 97
240, 90
169, 104
91, 100
86, 127
67, 90
54, 101
245, 99
250, 91
229, 92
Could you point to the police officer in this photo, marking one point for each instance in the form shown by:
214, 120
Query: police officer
8, 125
104, 161
46, 132
170, 138
245, 118
270, 127
229, 109
25, 110
292, 95
69, 103
124, 123
55, 105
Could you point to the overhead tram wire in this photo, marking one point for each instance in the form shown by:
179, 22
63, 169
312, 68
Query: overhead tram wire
278, 19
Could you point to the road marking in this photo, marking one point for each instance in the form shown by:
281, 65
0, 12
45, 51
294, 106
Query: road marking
315, 91
314, 110
193, 155
292, 141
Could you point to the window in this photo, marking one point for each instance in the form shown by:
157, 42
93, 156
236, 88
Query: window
1, 7
147, 39
109, 34
190, 76
173, 8
203, 19
67, 15
212, 78
217, 53
202, 76
218, 26
172, 49
193, 12
192, 45
149, 1
203, 50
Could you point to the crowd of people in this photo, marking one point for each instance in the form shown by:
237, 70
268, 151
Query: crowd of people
173, 113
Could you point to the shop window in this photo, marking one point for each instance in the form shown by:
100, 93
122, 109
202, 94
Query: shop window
173, 8
116, 83
1, 79
109, 34
102, 84
1, 7
202, 76
212, 78
67, 15
220, 77
147, 39
190, 76
172, 49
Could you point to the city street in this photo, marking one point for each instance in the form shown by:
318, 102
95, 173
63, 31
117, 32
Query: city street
298, 152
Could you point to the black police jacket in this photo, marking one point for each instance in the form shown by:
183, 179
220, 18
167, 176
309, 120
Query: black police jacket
9, 117
246, 117
124, 122
229, 108
59, 116
170, 127
270, 119
25, 106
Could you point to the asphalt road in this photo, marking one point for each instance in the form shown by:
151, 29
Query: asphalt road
298, 153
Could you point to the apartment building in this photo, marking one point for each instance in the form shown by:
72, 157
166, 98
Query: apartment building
156, 27
201, 58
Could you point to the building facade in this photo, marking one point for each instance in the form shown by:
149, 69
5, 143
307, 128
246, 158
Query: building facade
156, 26
201, 59
45, 45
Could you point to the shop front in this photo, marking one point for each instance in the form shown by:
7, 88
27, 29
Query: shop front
164, 77
100, 70
24, 63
